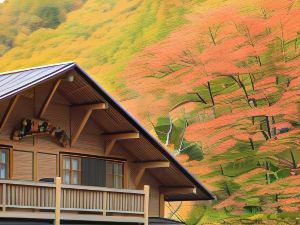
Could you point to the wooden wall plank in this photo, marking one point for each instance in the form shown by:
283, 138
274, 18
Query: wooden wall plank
22, 165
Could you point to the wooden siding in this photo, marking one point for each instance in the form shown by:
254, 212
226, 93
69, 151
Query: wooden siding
22, 165
41, 154
46, 165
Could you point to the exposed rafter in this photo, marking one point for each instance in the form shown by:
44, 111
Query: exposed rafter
8, 111
111, 139
142, 166
88, 108
49, 98
177, 190
81, 126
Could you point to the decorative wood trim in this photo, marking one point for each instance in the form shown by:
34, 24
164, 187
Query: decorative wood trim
177, 190
49, 98
142, 166
161, 205
81, 126
8, 111
110, 139
91, 106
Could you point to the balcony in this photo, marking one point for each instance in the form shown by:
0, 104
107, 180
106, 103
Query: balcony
37, 200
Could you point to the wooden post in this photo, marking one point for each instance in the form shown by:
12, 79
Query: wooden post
146, 204
161, 205
104, 203
4, 197
57, 200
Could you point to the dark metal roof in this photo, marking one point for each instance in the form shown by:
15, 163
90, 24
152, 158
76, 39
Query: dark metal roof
16, 81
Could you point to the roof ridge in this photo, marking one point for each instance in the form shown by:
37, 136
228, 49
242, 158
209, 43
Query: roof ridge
36, 67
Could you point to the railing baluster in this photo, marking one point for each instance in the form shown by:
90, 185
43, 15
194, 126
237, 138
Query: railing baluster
105, 205
36, 195
4, 197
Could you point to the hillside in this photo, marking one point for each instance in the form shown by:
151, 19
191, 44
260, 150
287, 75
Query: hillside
217, 81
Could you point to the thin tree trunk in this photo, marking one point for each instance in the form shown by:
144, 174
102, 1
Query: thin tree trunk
288, 82
244, 89
169, 132
252, 83
210, 93
212, 36
268, 126
222, 171
258, 60
251, 143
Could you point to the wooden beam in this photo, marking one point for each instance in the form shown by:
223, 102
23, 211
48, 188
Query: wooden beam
153, 164
57, 200
49, 98
91, 106
8, 111
161, 205
120, 136
146, 204
81, 126
89, 109
142, 166
111, 139
177, 190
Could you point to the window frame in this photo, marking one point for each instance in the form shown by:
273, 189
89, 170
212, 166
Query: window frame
71, 170
8, 161
123, 162
115, 174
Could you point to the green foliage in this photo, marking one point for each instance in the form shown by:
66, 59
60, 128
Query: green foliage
50, 16
252, 209
236, 168
192, 149
195, 215
29, 16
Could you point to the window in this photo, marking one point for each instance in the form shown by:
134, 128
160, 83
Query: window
71, 170
114, 174
92, 171
4, 163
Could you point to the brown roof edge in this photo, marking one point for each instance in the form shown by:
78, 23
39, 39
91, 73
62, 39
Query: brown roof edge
144, 132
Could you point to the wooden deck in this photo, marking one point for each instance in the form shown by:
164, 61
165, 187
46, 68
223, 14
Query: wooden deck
37, 200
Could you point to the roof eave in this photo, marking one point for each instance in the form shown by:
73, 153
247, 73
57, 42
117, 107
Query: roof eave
140, 128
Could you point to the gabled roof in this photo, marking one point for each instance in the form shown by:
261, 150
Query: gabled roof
16, 81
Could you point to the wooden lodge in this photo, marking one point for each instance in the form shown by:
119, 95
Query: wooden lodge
70, 153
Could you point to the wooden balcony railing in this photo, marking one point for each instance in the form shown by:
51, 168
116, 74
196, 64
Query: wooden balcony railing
73, 198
